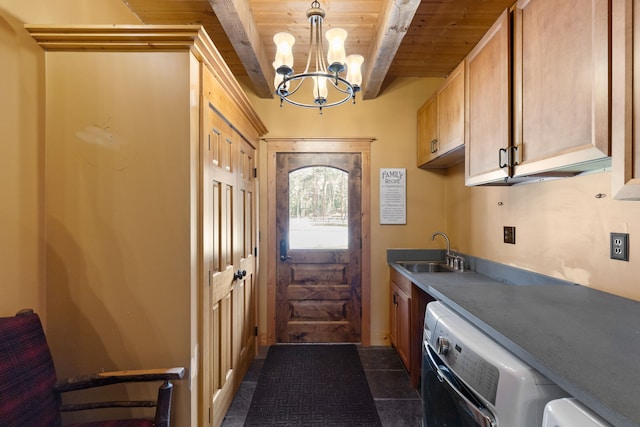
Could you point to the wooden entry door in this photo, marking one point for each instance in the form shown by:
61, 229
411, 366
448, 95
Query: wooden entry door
318, 269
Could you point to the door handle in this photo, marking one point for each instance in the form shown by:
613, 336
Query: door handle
239, 274
283, 251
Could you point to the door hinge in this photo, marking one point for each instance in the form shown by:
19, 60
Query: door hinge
209, 138
255, 331
209, 277
255, 172
209, 414
255, 251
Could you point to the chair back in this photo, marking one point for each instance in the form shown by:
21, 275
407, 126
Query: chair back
27, 374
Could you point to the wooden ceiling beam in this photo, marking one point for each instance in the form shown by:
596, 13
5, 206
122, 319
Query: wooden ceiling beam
237, 20
394, 23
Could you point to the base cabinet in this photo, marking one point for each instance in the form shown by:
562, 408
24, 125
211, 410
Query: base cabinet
408, 304
401, 322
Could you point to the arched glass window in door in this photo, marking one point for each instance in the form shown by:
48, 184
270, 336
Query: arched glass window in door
318, 208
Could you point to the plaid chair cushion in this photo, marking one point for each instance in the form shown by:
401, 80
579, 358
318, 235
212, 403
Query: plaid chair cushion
119, 423
27, 374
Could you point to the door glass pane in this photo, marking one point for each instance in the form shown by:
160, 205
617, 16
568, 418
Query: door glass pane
318, 208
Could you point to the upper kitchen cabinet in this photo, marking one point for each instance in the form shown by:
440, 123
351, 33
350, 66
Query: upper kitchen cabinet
625, 50
561, 86
555, 122
488, 105
441, 124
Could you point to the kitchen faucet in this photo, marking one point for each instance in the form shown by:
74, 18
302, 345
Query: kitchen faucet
454, 261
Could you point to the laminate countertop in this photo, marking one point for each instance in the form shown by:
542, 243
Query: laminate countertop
584, 340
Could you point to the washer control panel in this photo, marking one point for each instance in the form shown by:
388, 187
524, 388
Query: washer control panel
450, 335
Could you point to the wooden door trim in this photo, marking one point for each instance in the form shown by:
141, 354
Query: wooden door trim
325, 145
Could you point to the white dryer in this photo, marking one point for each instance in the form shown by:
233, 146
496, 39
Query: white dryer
568, 412
470, 380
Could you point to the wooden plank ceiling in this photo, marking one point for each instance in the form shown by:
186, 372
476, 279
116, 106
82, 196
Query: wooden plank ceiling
398, 38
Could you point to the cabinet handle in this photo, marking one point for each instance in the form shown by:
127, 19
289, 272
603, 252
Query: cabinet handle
434, 146
502, 164
395, 300
514, 155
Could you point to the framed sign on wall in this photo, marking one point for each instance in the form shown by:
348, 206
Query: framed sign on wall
393, 196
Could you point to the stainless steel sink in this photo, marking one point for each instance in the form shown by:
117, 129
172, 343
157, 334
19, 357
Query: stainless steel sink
425, 266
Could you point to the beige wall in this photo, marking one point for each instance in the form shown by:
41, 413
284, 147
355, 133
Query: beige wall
22, 147
391, 119
562, 229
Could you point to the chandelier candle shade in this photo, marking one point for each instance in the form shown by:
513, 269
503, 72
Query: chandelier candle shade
325, 85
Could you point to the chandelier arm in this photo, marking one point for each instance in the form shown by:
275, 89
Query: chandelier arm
321, 65
309, 52
347, 89
298, 85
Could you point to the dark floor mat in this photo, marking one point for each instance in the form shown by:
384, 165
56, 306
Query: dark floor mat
312, 385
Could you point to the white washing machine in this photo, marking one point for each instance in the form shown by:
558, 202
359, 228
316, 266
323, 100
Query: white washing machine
470, 380
568, 412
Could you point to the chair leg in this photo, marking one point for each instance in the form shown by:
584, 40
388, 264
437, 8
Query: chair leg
163, 410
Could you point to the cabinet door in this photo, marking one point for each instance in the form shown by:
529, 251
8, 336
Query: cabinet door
488, 105
625, 68
427, 130
561, 84
403, 306
401, 324
441, 124
451, 117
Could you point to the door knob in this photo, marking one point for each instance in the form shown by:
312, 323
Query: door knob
239, 274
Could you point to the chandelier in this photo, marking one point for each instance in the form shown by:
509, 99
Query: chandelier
325, 86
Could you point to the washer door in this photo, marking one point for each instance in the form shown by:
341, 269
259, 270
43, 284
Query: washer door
446, 401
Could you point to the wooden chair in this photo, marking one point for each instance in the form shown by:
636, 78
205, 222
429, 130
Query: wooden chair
30, 394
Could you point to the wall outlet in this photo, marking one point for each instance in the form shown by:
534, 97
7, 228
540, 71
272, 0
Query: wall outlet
510, 234
620, 246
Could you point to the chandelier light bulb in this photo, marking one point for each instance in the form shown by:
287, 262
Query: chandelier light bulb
284, 54
354, 72
336, 38
320, 91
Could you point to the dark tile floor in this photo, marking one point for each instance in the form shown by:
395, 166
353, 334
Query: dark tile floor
398, 404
